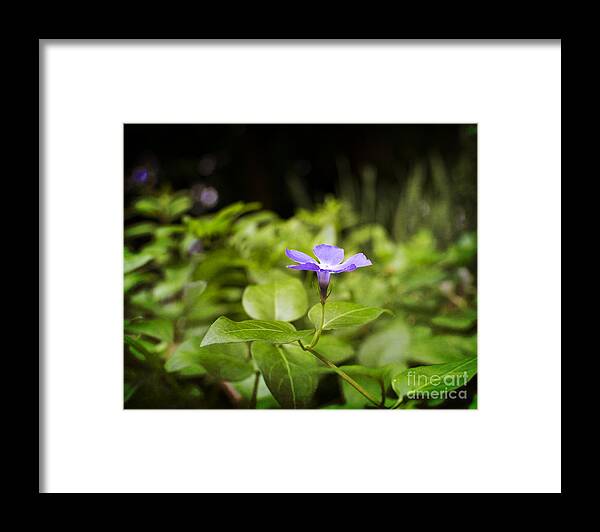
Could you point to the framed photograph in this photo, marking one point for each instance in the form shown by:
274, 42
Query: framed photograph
341, 256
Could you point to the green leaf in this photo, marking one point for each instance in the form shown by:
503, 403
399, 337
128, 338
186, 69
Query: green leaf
335, 349
175, 279
156, 328
473, 405
129, 390
225, 331
419, 382
137, 348
133, 261
219, 223
158, 250
192, 291
140, 229
166, 233
426, 348
462, 321
291, 374
264, 398
340, 314
421, 278
222, 361
134, 279
463, 251
148, 206
371, 379
178, 206
386, 346
184, 359
283, 300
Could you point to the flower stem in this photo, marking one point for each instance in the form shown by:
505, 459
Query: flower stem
319, 330
254, 390
342, 374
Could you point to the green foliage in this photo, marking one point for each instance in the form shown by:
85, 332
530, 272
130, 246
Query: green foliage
437, 378
228, 362
225, 331
165, 207
185, 359
387, 345
192, 282
220, 223
458, 321
157, 328
284, 300
371, 379
133, 261
340, 314
291, 374
335, 349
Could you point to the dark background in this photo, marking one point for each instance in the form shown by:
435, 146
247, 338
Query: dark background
284, 166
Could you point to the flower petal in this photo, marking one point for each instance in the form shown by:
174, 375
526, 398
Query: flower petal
306, 266
329, 255
298, 256
357, 261
339, 269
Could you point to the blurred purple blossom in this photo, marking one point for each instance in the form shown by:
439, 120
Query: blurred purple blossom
209, 196
205, 196
140, 175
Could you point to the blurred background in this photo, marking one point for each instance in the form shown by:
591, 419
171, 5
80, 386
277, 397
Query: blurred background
209, 209
402, 176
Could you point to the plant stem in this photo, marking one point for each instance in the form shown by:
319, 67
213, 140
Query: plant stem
342, 374
397, 404
382, 402
232, 394
330, 364
254, 390
319, 330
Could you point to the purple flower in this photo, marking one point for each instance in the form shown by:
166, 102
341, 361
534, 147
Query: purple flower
209, 197
331, 260
140, 175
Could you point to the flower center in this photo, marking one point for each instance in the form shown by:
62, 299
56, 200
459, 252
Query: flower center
325, 265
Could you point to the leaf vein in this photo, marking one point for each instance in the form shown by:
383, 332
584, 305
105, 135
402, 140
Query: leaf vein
289, 372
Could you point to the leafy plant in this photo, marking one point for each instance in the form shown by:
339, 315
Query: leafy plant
214, 319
